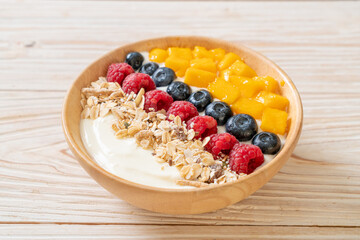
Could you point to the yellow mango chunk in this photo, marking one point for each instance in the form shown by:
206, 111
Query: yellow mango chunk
225, 74
272, 100
198, 78
206, 64
248, 87
239, 68
274, 120
228, 60
183, 53
224, 90
270, 84
248, 106
158, 55
218, 54
201, 52
178, 65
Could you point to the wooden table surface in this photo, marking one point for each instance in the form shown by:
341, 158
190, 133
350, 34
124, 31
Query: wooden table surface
45, 194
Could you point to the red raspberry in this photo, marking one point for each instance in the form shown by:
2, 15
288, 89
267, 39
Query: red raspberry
245, 158
220, 144
184, 109
135, 81
118, 71
203, 126
157, 100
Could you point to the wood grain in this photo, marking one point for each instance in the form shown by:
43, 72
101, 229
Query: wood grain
43, 47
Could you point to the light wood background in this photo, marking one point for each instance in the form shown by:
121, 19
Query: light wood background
45, 194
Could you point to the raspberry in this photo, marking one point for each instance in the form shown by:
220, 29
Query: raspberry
203, 126
118, 71
185, 110
157, 100
135, 81
245, 158
220, 144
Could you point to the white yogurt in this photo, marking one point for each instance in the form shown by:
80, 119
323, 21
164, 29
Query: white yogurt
123, 157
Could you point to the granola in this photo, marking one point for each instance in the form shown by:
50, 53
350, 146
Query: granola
170, 141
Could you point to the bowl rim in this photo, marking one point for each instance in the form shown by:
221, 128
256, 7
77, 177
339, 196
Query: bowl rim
290, 140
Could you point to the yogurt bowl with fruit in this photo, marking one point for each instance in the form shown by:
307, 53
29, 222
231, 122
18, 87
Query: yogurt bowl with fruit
182, 124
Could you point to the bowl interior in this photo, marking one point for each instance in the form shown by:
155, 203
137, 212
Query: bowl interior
262, 65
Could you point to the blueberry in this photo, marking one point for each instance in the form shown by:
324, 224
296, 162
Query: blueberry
179, 91
200, 99
242, 126
149, 68
220, 111
269, 143
163, 76
134, 59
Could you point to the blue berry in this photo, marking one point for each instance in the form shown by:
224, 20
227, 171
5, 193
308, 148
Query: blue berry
134, 59
149, 68
163, 76
200, 99
269, 143
220, 111
179, 91
242, 126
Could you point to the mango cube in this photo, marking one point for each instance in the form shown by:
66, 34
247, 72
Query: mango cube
183, 53
248, 106
239, 68
198, 78
270, 84
206, 64
228, 60
224, 90
274, 120
179, 65
158, 55
225, 74
218, 54
201, 52
273, 100
248, 87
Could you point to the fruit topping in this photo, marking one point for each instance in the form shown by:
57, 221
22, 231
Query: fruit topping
198, 77
220, 111
118, 71
134, 59
163, 76
248, 106
269, 143
183, 53
135, 81
224, 90
273, 100
156, 100
179, 65
245, 158
201, 52
274, 120
149, 68
206, 64
220, 144
239, 68
200, 99
203, 126
185, 110
228, 60
242, 126
179, 91
158, 55
218, 54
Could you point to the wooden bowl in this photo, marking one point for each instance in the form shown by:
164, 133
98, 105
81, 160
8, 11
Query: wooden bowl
180, 201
